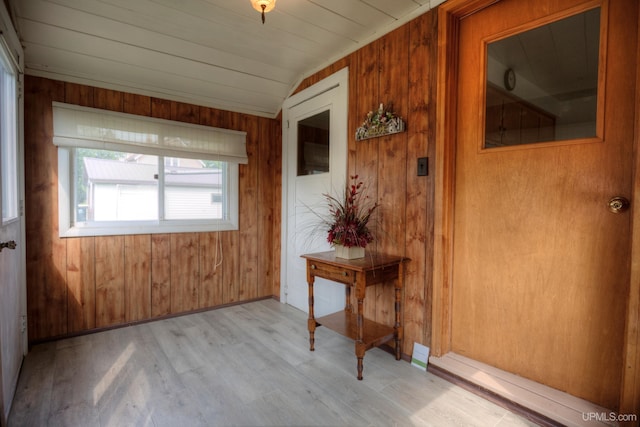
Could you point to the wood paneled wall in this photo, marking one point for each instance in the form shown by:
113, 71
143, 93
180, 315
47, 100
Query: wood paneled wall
80, 284
399, 71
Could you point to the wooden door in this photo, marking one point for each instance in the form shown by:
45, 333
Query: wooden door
540, 265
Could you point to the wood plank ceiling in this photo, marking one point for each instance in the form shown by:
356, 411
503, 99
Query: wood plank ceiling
215, 53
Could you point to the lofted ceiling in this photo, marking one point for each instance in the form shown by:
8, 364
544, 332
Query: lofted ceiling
215, 53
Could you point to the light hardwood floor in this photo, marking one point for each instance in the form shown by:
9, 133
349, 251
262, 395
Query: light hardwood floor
247, 365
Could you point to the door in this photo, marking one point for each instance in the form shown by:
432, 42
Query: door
13, 341
544, 141
12, 333
314, 163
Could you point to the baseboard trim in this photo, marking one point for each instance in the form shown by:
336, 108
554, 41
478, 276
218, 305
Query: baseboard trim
538, 403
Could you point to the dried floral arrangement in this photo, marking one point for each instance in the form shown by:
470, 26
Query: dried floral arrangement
381, 122
349, 216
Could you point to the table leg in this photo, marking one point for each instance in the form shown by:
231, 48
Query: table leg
360, 364
360, 347
311, 323
398, 308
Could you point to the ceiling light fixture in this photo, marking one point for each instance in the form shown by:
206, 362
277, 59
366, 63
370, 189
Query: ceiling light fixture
263, 6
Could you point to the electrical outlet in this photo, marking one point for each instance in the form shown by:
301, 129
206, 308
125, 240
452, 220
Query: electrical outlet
423, 166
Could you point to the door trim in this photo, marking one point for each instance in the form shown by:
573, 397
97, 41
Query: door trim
449, 15
338, 79
630, 387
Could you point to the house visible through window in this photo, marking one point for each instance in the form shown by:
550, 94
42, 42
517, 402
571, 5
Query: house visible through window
153, 182
115, 186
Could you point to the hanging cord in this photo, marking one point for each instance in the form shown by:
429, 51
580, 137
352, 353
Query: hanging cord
218, 255
217, 262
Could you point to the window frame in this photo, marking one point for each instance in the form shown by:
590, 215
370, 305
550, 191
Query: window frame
69, 228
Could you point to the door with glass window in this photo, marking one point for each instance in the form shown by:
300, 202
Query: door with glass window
316, 161
12, 252
543, 176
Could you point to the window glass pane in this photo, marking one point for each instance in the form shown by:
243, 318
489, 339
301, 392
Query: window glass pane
8, 143
194, 189
542, 84
115, 186
313, 144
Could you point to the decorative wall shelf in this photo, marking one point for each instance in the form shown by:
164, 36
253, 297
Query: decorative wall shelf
380, 123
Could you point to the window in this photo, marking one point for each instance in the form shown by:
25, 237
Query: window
8, 142
136, 188
542, 84
313, 144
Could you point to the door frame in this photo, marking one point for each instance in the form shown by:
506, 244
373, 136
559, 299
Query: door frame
449, 15
339, 79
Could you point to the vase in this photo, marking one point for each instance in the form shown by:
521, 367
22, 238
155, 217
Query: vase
353, 252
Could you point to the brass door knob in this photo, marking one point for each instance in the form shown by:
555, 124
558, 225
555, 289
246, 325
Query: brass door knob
11, 244
618, 204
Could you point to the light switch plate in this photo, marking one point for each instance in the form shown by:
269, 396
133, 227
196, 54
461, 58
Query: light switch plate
423, 166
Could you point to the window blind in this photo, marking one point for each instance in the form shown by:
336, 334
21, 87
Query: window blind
75, 126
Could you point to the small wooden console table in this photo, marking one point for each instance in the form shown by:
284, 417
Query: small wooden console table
373, 269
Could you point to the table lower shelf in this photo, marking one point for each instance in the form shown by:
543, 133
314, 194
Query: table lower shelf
345, 323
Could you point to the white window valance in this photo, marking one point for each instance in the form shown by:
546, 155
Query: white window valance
75, 126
